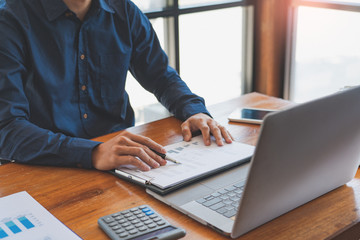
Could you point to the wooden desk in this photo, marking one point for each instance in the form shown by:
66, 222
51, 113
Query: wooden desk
78, 197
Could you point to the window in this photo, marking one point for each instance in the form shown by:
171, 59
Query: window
205, 42
324, 56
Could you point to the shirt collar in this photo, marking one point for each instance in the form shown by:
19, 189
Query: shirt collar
55, 8
104, 4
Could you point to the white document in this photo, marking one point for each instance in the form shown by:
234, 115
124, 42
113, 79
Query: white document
195, 158
23, 218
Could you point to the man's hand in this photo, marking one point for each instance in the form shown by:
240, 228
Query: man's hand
207, 126
128, 149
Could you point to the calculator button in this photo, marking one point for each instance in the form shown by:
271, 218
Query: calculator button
148, 222
121, 221
108, 219
122, 235
128, 215
153, 216
116, 227
136, 212
143, 228
152, 225
146, 209
142, 207
126, 224
125, 212
112, 224
144, 218
148, 213
135, 221
139, 224
117, 218
140, 215
119, 231
115, 215
160, 223
132, 232
133, 209
131, 218
157, 219
129, 228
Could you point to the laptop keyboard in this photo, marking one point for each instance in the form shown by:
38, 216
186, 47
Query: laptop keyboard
224, 201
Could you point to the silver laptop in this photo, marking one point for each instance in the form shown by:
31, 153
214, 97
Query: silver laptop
302, 153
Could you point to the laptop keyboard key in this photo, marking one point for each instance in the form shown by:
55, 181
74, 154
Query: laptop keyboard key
216, 194
217, 206
240, 184
222, 191
230, 213
211, 202
201, 200
222, 210
228, 202
231, 188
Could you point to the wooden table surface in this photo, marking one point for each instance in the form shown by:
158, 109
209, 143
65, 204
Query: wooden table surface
78, 197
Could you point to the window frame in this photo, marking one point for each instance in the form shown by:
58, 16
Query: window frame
292, 31
171, 15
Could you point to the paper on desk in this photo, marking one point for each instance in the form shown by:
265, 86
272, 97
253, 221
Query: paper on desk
22, 217
195, 158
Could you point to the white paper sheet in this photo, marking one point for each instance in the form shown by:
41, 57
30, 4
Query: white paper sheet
23, 218
195, 159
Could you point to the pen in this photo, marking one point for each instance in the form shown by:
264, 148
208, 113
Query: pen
132, 177
167, 158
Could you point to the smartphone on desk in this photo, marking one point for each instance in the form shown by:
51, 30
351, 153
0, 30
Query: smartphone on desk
249, 115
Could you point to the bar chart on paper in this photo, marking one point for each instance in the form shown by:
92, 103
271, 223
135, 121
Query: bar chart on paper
23, 218
13, 225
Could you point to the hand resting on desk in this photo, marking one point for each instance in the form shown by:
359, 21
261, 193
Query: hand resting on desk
207, 126
131, 149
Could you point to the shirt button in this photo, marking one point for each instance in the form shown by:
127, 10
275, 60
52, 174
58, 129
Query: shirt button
82, 56
85, 116
83, 87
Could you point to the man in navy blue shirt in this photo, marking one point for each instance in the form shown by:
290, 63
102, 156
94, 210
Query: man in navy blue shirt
63, 65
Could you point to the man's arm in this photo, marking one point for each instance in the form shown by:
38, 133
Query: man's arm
20, 140
150, 67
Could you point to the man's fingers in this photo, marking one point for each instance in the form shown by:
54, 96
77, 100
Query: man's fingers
144, 141
131, 160
226, 134
186, 132
205, 131
216, 132
141, 153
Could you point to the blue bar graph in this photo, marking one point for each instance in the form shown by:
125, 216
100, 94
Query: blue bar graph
13, 227
26, 222
3, 234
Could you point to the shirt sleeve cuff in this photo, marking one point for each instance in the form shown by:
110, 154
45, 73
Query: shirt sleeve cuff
192, 109
80, 150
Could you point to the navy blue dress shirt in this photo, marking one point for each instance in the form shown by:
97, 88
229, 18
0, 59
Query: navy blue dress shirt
62, 80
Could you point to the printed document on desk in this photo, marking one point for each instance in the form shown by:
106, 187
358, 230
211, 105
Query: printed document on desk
23, 218
196, 159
